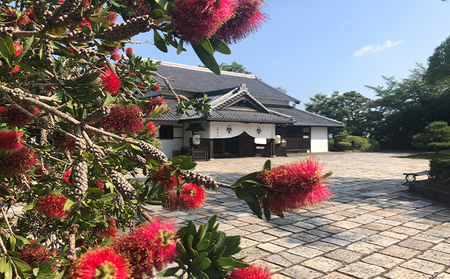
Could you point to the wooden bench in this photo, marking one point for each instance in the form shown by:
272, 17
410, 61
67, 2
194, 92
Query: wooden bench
413, 175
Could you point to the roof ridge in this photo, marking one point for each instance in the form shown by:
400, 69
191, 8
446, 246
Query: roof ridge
321, 116
206, 69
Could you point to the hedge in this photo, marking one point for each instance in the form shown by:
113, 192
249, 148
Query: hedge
440, 169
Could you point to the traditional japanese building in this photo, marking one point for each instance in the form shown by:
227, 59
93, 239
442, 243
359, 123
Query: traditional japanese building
247, 118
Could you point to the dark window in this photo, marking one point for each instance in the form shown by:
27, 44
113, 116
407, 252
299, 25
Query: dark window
166, 132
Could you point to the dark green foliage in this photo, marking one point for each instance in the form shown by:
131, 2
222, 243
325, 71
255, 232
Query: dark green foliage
440, 169
358, 143
206, 252
436, 136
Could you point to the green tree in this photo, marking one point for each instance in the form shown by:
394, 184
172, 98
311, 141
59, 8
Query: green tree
439, 64
281, 89
234, 67
436, 136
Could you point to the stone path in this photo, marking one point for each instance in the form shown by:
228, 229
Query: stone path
372, 228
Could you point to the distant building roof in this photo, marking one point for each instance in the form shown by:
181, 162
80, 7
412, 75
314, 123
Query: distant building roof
305, 118
202, 80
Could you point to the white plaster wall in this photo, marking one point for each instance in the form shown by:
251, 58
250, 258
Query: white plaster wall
319, 139
168, 146
218, 130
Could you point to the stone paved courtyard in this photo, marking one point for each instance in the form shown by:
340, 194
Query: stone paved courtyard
372, 228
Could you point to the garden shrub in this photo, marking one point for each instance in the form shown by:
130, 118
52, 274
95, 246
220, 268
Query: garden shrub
358, 143
440, 169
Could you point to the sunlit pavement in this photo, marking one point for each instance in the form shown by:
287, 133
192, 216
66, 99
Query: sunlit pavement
372, 228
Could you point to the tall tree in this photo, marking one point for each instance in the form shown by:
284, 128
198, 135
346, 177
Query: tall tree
234, 67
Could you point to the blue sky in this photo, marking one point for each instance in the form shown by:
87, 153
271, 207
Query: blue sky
321, 46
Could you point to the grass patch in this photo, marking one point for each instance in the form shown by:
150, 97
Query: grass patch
430, 155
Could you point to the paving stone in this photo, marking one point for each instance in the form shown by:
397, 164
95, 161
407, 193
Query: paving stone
293, 229
417, 226
294, 259
363, 231
288, 242
253, 228
383, 213
382, 260
319, 221
331, 229
237, 231
323, 246
346, 224
336, 241
429, 238
389, 222
322, 264
405, 230
349, 236
423, 266
381, 240
245, 242
278, 232
336, 275
437, 233
415, 244
279, 276
305, 252
362, 270
272, 248
306, 237
335, 217
263, 263
300, 272
442, 247
400, 252
443, 276
279, 260
403, 273
364, 247
377, 226
394, 235
436, 256
262, 237
344, 255
304, 225
252, 254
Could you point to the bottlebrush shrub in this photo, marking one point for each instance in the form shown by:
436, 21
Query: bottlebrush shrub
206, 252
191, 197
166, 178
253, 272
285, 188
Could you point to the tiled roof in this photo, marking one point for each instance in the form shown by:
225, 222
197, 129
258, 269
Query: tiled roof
305, 118
201, 80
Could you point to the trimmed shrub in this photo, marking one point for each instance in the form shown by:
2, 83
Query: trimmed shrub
358, 143
440, 169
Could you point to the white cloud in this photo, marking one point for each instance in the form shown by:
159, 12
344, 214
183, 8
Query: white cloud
370, 49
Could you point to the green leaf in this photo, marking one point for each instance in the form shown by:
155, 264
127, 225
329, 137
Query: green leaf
225, 261
68, 204
267, 214
232, 243
159, 42
108, 197
7, 49
248, 177
208, 60
3, 264
163, 3
201, 262
26, 46
244, 195
201, 246
180, 46
267, 165
8, 269
255, 190
239, 264
212, 222
23, 239
200, 275
220, 46
21, 264
206, 44
168, 272
255, 209
28, 207
12, 243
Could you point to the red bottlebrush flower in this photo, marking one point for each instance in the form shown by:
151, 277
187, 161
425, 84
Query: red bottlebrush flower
293, 186
197, 20
15, 117
129, 51
97, 184
100, 263
17, 49
112, 17
85, 22
156, 88
63, 142
150, 128
85, 4
52, 205
111, 49
153, 104
152, 245
16, 162
169, 183
10, 140
251, 272
110, 231
123, 119
115, 56
66, 177
173, 202
192, 196
247, 19
111, 81
15, 69
37, 254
